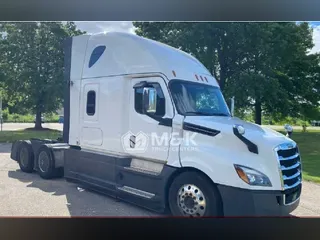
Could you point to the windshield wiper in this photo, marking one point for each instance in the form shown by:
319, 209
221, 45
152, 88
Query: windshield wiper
207, 114
198, 113
220, 114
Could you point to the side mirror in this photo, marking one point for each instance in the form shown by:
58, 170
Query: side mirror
149, 100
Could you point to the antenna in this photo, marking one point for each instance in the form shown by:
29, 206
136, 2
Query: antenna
232, 106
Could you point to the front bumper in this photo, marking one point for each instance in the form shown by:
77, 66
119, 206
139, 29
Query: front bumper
243, 202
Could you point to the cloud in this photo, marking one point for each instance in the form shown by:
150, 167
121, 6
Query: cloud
98, 27
316, 39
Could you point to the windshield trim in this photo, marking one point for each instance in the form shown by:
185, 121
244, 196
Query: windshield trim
199, 83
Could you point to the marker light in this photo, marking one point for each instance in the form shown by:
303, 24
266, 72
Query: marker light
197, 77
240, 128
174, 73
252, 177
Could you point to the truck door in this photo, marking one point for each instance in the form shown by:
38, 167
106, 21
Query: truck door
88, 165
91, 134
148, 137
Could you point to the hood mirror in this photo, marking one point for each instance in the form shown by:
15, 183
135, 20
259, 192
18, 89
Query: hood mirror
288, 128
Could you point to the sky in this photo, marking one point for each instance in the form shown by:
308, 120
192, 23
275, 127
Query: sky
316, 36
98, 27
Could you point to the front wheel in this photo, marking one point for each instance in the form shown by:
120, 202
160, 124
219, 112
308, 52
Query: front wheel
192, 194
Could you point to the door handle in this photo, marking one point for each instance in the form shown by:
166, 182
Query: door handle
165, 122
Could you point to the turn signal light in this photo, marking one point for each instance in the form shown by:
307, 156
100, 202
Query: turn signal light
242, 174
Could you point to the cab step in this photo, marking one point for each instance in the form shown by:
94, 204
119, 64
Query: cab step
143, 171
137, 192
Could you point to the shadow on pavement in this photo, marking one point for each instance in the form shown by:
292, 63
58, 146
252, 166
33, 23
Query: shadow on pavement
80, 202
5, 147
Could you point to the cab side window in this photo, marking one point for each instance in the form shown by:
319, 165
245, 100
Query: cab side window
91, 103
161, 103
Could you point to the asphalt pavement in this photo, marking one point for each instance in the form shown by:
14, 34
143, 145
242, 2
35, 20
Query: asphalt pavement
23, 194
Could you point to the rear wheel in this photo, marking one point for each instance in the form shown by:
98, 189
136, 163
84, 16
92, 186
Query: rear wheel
192, 194
26, 158
45, 163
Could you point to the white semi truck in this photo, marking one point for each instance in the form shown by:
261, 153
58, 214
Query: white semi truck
148, 124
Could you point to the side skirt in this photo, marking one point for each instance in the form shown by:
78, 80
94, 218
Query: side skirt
137, 181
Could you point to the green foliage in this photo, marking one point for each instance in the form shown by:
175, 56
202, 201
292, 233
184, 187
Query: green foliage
292, 121
51, 117
266, 66
27, 118
32, 65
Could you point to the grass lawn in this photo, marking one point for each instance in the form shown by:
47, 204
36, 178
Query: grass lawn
309, 145
11, 136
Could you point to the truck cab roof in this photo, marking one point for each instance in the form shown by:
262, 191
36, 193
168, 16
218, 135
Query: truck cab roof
117, 53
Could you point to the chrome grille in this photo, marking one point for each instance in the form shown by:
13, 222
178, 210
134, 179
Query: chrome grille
290, 165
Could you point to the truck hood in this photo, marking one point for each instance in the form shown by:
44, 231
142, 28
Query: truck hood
255, 133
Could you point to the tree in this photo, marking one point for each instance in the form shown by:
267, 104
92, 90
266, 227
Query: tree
274, 52
212, 43
33, 65
266, 66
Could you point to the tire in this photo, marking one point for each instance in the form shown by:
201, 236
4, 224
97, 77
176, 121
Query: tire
192, 194
45, 163
59, 172
26, 157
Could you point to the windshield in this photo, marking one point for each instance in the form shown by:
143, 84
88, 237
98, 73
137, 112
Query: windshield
193, 98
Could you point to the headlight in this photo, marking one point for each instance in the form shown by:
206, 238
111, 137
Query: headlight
252, 177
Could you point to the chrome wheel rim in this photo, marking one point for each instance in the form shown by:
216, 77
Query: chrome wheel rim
43, 162
24, 157
191, 201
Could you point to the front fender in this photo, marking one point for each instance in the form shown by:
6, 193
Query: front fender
218, 164
218, 170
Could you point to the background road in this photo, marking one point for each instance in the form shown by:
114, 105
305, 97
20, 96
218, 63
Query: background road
23, 194
20, 126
